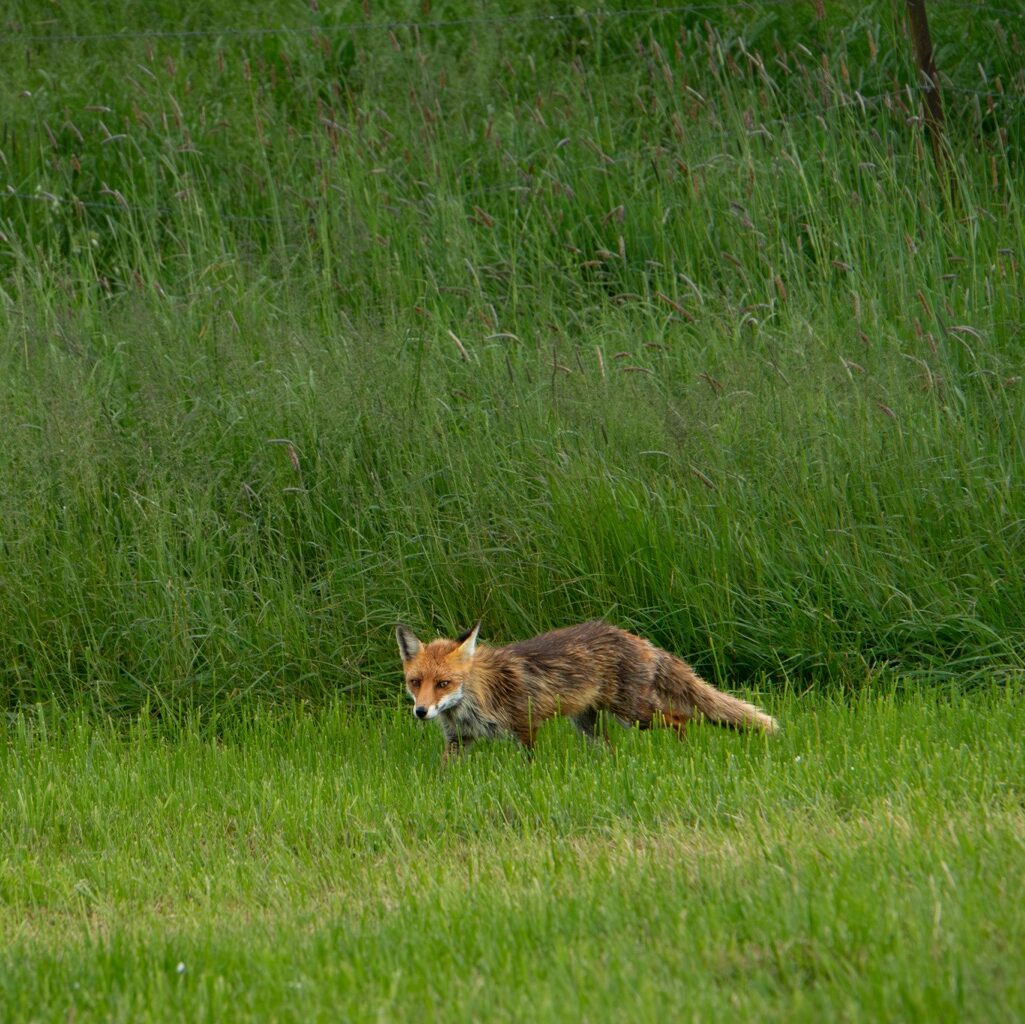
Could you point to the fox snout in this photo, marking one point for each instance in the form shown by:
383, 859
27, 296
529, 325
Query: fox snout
423, 711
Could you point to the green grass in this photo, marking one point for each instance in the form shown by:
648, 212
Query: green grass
664, 316
736, 375
865, 864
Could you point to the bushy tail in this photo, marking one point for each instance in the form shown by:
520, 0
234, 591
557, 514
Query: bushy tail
684, 691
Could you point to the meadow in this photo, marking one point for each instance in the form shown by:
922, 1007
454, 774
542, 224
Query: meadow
318, 317
866, 864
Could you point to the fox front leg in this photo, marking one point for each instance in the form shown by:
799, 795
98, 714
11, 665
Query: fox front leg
454, 746
526, 735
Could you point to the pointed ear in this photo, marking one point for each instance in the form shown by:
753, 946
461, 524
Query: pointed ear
468, 641
409, 646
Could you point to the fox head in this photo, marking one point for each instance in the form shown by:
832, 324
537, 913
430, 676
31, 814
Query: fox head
435, 672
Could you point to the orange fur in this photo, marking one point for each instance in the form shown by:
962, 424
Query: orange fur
476, 691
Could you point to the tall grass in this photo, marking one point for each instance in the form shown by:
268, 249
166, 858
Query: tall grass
661, 317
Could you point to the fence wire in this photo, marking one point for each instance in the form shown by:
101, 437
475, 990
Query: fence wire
442, 24
425, 25
892, 100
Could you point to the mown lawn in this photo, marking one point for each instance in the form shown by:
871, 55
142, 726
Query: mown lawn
866, 864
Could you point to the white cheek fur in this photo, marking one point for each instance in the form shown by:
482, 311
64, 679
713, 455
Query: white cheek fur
450, 700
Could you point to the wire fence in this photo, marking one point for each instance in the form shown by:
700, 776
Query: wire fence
900, 101
426, 24
442, 24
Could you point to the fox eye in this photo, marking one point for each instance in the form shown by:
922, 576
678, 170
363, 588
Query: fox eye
415, 684
442, 683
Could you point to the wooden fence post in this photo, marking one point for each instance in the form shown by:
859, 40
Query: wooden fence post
929, 80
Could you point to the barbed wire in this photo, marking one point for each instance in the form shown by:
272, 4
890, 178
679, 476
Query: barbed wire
440, 24
125, 206
991, 94
392, 26
982, 8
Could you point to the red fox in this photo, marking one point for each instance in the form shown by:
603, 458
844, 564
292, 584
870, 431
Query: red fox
476, 691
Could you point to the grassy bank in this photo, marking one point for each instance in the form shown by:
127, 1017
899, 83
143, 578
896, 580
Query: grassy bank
661, 317
865, 864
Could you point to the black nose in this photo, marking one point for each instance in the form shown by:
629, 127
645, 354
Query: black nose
421, 711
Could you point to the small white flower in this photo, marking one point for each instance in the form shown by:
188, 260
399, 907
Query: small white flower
181, 967
797, 760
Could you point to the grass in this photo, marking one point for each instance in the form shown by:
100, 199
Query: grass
315, 320
647, 316
302, 865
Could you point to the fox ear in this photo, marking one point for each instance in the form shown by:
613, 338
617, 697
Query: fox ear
409, 646
468, 641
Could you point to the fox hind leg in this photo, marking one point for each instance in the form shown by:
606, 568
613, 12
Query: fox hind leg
645, 714
670, 719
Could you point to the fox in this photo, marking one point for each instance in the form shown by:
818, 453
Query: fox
477, 692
